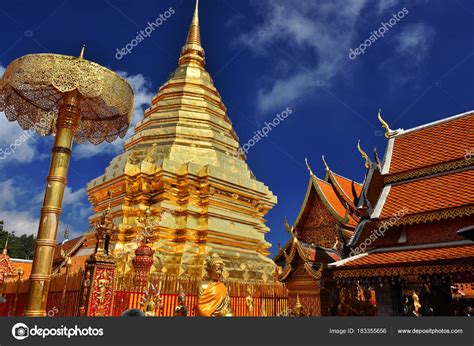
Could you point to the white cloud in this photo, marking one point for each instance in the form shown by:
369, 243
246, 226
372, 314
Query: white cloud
7, 194
72, 197
143, 95
22, 222
315, 37
19, 207
415, 41
384, 5
412, 46
321, 27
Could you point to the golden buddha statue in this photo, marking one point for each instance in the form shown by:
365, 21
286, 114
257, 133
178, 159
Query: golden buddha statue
213, 296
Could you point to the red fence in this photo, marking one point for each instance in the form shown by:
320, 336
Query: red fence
269, 299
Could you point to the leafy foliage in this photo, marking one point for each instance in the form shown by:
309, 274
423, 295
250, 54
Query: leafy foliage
18, 247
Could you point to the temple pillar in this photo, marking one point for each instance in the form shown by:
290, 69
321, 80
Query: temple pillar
389, 299
97, 292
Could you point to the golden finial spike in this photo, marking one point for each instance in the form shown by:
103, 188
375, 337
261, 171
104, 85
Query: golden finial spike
325, 163
307, 165
81, 56
388, 130
196, 14
194, 36
364, 155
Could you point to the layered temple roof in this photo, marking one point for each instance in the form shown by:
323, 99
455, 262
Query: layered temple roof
431, 144
427, 169
431, 194
334, 195
424, 192
409, 260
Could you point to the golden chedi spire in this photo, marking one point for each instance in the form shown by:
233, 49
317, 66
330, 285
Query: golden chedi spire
192, 52
186, 146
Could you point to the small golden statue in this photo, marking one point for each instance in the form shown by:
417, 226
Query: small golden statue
213, 296
298, 307
249, 302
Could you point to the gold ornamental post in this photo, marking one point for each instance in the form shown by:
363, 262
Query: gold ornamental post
75, 100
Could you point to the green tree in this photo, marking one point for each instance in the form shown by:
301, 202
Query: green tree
18, 247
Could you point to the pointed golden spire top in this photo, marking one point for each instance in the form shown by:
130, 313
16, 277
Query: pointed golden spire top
81, 56
194, 35
364, 155
196, 14
192, 52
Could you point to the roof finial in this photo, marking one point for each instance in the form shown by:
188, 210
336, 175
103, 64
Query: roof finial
364, 155
196, 13
388, 131
81, 56
66, 234
307, 165
325, 164
5, 248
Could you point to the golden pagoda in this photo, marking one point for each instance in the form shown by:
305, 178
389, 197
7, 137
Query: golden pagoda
183, 180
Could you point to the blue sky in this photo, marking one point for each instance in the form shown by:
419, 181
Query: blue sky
264, 56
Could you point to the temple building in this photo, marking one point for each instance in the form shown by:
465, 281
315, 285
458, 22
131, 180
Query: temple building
182, 174
324, 225
414, 241
11, 267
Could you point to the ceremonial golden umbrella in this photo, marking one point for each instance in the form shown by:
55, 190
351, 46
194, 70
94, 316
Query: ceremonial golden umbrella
72, 99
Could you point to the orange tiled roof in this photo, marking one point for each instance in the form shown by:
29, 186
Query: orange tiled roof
431, 194
334, 201
25, 266
414, 256
433, 144
346, 185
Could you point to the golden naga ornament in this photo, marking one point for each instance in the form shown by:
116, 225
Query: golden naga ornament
213, 295
74, 99
364, 155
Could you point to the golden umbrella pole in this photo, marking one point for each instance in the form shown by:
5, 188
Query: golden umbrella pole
77, 100
67, 124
